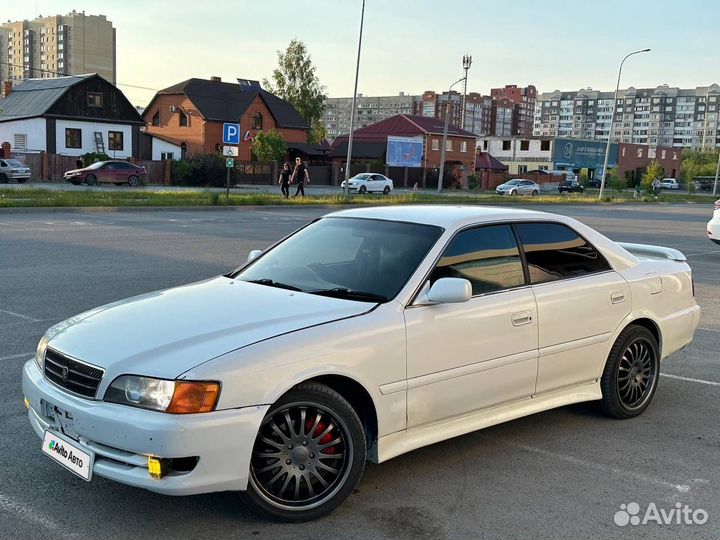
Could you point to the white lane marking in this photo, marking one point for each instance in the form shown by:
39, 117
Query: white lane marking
19, 315
14, 356
702, 253
27, 513
682, 488
709, 329
690, 379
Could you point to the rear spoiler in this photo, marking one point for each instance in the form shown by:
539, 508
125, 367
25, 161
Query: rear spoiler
646, 251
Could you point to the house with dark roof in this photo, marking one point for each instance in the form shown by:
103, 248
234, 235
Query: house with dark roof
370, 144
71, 116
194, 111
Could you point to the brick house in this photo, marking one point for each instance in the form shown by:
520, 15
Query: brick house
369, 143
193, 112
633, 159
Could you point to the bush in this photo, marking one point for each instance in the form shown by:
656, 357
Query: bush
615, 182
207, 170
92, 157
473, 181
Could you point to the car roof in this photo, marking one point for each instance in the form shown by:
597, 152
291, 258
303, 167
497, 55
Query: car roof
446, 216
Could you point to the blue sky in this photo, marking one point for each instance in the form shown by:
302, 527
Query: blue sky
408, 45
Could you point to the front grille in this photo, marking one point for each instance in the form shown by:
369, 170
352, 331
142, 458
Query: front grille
75, 376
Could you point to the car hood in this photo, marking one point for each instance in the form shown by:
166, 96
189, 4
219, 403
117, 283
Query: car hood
165, 333
73, 171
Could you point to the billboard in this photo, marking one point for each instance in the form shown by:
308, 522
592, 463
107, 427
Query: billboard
404, 151
579, 154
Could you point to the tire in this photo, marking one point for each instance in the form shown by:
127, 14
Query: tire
362, 190
513, 192
21, 180
133, 181
535, 193
630, 399
91, 180
386, 190
277, 488
3, 178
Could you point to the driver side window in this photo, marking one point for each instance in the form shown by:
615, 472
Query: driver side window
488, 257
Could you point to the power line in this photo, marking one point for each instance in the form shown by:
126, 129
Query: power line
61, 74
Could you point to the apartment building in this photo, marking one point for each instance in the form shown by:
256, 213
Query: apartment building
48, 47
524, 99
368, 110
662, 116
478, 109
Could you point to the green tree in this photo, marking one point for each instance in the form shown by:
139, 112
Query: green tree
615, 181
269, 146
295, 81
654, 171
698, 163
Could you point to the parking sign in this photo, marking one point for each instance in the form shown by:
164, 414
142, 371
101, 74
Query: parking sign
231, 133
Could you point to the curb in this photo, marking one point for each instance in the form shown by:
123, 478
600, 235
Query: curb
112, 209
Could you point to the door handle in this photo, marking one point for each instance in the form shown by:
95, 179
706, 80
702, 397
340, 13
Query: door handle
521, 318
617, 297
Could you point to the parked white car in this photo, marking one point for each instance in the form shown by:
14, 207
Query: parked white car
364, 335
713, 226
369, 183
518, 186
669, 183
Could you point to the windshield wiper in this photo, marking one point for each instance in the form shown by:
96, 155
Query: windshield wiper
341, 292
271, 283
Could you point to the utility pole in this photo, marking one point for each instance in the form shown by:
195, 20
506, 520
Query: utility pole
717, 173
441, 173
352, 112
467, 62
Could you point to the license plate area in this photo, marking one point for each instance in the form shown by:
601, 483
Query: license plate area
62, 420
67, 453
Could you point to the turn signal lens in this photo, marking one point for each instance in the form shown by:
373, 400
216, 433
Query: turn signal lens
157, 468
194, 397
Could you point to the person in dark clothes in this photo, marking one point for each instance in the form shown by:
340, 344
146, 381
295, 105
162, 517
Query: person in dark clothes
301, 176
284, 180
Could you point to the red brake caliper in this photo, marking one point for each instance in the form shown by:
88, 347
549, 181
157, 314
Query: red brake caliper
326, 438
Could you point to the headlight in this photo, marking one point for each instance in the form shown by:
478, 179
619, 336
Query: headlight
40, 352
175, 397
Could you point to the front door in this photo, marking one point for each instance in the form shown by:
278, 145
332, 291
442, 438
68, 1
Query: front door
468, 356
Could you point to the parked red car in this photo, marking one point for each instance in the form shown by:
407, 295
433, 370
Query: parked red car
116, 172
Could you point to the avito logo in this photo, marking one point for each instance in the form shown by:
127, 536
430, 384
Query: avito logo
681, 514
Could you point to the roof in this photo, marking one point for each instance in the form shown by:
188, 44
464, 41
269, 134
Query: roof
361, 149
171, 140
34, 97
484, 160
404, 125
226, 102
445, 216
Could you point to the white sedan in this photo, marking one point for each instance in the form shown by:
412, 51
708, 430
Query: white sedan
713, 226
369, 183
364, 335
518, 186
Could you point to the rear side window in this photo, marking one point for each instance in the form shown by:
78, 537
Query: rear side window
554, 251
486, 256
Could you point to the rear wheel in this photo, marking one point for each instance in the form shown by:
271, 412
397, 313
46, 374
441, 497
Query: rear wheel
308, 457
22, 180
91, 179
386, 190
535, 192
631, 373
133, 181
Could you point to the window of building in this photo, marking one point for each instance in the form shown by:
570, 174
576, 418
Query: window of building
435, 144
166, 155
463, 146
73, 138
554, 251
19, 141
488, 257
183, 119
522, 169
524, 145
156, 119
256, 121
506, 145
545, 146
94, 99
448, 146
485, 144
115, 140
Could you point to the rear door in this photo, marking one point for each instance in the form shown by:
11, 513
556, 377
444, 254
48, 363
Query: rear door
580, 302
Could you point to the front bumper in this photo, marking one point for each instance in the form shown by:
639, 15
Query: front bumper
713, 230
123, 437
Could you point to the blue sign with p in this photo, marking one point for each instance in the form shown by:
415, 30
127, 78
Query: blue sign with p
231, 133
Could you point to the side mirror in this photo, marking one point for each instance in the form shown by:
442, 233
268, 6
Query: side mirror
254, 254
446, 291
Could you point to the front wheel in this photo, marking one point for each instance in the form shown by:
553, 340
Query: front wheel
386, 190
362, 190
133, 181
308, 456
91, 179
631, 373
513, 192
535, 193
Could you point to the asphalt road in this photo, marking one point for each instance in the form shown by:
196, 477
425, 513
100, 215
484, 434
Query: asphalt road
560, 474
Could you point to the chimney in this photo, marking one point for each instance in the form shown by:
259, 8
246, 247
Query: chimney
215, 78
7, 88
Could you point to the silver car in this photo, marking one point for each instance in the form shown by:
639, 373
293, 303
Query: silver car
12, 169
518, 186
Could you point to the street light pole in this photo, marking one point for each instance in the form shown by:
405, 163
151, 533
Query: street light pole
612, 121
717, 173
444, 139
352, 112
467, 62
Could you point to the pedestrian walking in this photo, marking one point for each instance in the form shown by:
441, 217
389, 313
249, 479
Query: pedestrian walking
284, 180
301, 176
656, 187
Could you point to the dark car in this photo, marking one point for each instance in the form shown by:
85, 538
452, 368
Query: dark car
570, 186
594, 183
116, 172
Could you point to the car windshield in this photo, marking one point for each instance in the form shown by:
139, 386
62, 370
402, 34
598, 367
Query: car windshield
360, 177
358, 259
96, 165
15, 163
